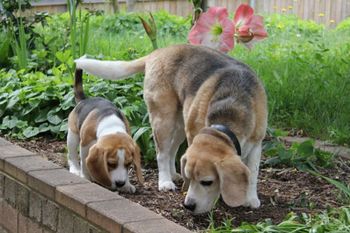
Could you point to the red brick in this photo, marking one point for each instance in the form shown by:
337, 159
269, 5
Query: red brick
8, 216
8, 151
18, 167
26, 225
111, 215
3, 142
33, 227
46, 181
154, 226
75, 197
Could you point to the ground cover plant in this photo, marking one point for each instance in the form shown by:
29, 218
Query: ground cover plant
304, 66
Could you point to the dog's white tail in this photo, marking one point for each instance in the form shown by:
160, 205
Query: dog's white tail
112, 70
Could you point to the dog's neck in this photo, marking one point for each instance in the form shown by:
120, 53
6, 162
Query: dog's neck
224, 129
110, 125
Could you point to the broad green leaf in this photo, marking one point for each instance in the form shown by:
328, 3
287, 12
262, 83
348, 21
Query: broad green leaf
31, 132
53, 118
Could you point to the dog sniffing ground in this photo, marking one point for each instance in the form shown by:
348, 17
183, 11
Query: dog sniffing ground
281, 191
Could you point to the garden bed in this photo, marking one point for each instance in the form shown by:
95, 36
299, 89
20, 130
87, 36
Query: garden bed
281, 191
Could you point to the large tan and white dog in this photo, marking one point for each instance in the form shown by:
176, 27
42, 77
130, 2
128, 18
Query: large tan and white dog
213, 100
102, 134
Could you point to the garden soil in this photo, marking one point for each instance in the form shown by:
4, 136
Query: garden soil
281, 191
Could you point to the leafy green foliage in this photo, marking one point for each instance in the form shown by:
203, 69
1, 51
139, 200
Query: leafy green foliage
300, 155
334, 220
33, 103
5, 39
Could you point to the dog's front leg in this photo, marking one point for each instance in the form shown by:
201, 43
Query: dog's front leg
253, 162
73, 157
84, 152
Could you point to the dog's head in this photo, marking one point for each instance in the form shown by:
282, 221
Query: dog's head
109, 160
212, 167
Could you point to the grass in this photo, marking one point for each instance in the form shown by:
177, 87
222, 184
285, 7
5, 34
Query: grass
306, 74
334, 221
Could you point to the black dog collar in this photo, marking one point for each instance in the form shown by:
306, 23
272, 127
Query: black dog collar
224, 129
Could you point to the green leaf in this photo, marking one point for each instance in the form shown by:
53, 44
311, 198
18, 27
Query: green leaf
285, 155
53, 118
63, 56
306, 148
44, 128
9, 122
42, 116
31, 132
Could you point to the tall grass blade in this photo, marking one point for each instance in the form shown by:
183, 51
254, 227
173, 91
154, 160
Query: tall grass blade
342, 187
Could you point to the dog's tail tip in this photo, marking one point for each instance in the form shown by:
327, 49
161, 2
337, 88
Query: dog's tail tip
78, 85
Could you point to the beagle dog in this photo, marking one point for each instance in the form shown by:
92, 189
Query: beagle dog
214, 101
102, 134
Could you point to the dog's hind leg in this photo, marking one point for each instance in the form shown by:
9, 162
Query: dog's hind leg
253, 162
163, 109
73, 156
179, 137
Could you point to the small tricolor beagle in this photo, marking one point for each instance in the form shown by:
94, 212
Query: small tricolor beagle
214, 101
102, 134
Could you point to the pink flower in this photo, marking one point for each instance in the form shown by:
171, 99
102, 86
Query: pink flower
213, 29
248, 27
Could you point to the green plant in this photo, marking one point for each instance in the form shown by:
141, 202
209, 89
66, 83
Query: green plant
332, 221
5, 39
342, 187
19, 46
300, 155
151, 29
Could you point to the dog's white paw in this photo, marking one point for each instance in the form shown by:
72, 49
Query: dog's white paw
253, 203
128, 189
74, 170
167, 186
176, 177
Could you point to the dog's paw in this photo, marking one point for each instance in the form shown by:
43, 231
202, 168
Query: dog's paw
128, 189
167, 186
176, 177
253, 203
74, 170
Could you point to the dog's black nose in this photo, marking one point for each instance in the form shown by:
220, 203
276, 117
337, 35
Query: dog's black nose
190, 206
119, 183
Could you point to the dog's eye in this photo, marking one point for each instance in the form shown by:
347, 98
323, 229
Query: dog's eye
206, 182
112, 163
128, 164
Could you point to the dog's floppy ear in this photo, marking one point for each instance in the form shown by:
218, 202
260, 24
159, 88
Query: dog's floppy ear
137, 163
186, 183
96, 163
234, 180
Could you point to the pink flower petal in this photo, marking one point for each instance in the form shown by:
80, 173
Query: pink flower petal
202, 31
257, 27
243, 15
227, 37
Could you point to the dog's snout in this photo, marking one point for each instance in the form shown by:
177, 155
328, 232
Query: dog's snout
119, 183
190, 206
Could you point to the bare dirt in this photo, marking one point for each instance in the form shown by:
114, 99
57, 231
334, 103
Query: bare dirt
280, 190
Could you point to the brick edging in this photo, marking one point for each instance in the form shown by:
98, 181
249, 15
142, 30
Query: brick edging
27, 179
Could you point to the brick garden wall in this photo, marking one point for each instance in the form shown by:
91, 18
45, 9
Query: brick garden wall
37, 196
